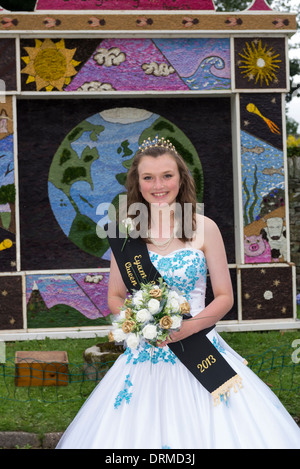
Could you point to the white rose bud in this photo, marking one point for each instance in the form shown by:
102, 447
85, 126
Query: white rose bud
137, 299
129, 224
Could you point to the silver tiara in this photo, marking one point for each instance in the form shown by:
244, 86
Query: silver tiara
157, 142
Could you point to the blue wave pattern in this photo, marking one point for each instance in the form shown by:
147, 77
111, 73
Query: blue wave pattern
205, 78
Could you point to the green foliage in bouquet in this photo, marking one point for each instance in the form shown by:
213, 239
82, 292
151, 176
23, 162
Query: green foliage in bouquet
149, 314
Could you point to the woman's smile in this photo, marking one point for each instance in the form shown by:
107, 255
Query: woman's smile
159, 195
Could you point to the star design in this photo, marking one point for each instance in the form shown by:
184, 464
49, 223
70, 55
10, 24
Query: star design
263, 271
258, 306
283, 310
247, 296
276, 282
4, 293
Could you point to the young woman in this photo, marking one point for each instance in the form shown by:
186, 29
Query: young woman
149, 399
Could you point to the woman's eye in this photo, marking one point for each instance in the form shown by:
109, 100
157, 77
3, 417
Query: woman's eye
147, 178
168, 175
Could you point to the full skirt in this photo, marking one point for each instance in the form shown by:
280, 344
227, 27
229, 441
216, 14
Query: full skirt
149, 400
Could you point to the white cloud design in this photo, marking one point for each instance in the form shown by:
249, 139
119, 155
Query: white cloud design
158, 70
95, 86
109, 57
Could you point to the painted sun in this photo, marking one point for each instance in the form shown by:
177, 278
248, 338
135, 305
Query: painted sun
49, 64
259, 63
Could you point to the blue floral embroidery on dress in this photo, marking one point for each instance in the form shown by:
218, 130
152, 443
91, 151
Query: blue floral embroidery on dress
146, 352
124, 394
192, 264
218, 346
164, 264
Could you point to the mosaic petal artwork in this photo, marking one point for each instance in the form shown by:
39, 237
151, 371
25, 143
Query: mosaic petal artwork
50, 64
267, 293
124, 5
7, 189
263, 179
260, 63
84, 89
126, 64
11, 308
76, 184
67, 300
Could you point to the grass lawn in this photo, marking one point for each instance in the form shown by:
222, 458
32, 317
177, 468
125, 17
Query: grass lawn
51, 409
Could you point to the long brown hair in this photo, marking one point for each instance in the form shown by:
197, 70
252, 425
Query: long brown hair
186, 194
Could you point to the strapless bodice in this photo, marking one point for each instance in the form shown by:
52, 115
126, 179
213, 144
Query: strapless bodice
186, 270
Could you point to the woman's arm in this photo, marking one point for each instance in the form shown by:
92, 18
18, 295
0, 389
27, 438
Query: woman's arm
213, 248
116, 288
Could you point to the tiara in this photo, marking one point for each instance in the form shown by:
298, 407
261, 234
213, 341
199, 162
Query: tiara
157, 142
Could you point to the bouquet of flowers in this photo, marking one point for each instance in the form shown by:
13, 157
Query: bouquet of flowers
149, 314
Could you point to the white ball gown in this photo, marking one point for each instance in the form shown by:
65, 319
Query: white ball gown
149, 400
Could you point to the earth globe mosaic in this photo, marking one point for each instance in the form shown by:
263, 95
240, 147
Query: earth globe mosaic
89, 169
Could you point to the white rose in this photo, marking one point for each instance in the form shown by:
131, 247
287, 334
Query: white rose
122, 314
153, 306
119, 335
138, 299
173, 294
132, 340
149, 332
177, 320
143, 315
173, 305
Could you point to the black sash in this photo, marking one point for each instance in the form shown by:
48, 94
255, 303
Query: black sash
196, 352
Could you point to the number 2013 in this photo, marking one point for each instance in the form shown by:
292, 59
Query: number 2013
206, 363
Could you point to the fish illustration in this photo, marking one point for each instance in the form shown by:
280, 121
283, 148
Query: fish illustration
270, 171
258, 150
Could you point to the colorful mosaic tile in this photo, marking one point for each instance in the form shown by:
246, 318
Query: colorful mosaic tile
260, 63
124, 5
125, 65
67, 300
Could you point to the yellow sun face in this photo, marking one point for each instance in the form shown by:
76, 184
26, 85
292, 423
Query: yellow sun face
49, 64
259, 64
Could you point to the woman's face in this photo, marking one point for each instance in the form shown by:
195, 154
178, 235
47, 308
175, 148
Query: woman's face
159, 179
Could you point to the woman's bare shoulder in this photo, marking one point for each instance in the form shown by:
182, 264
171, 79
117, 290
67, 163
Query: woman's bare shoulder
206, 229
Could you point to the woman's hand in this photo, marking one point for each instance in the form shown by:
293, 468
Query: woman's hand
185, 331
